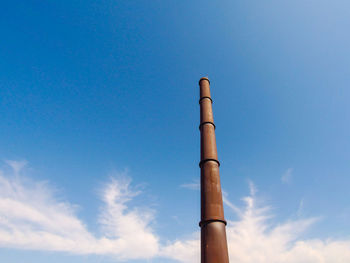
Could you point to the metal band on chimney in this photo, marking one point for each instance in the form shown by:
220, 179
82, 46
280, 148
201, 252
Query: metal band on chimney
207, 160
206, 122
205, 97
205, 222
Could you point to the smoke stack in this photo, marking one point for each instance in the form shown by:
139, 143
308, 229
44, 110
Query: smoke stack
213, 224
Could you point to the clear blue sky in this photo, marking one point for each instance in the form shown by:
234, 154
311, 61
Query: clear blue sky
90, 90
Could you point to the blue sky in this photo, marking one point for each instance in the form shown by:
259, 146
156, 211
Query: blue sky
99, 125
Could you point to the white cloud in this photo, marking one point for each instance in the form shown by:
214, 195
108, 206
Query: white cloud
32, 217
254, 238
183, 250
136, 238
287, 176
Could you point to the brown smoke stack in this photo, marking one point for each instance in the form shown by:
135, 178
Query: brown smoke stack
213, 224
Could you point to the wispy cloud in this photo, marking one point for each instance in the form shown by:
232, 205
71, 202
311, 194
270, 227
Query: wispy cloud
32, 217
194, 185
254, 238
300, 208
17, 166
286, 178
186, 250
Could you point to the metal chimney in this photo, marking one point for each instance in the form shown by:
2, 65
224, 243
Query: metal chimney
213, 224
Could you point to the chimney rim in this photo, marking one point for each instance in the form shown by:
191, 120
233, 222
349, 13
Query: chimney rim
204, 78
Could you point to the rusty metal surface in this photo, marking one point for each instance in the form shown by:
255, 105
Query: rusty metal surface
213, 224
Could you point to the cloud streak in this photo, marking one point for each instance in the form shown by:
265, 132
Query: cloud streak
287, 176
195, 185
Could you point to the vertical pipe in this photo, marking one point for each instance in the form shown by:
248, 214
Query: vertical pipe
213, 224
